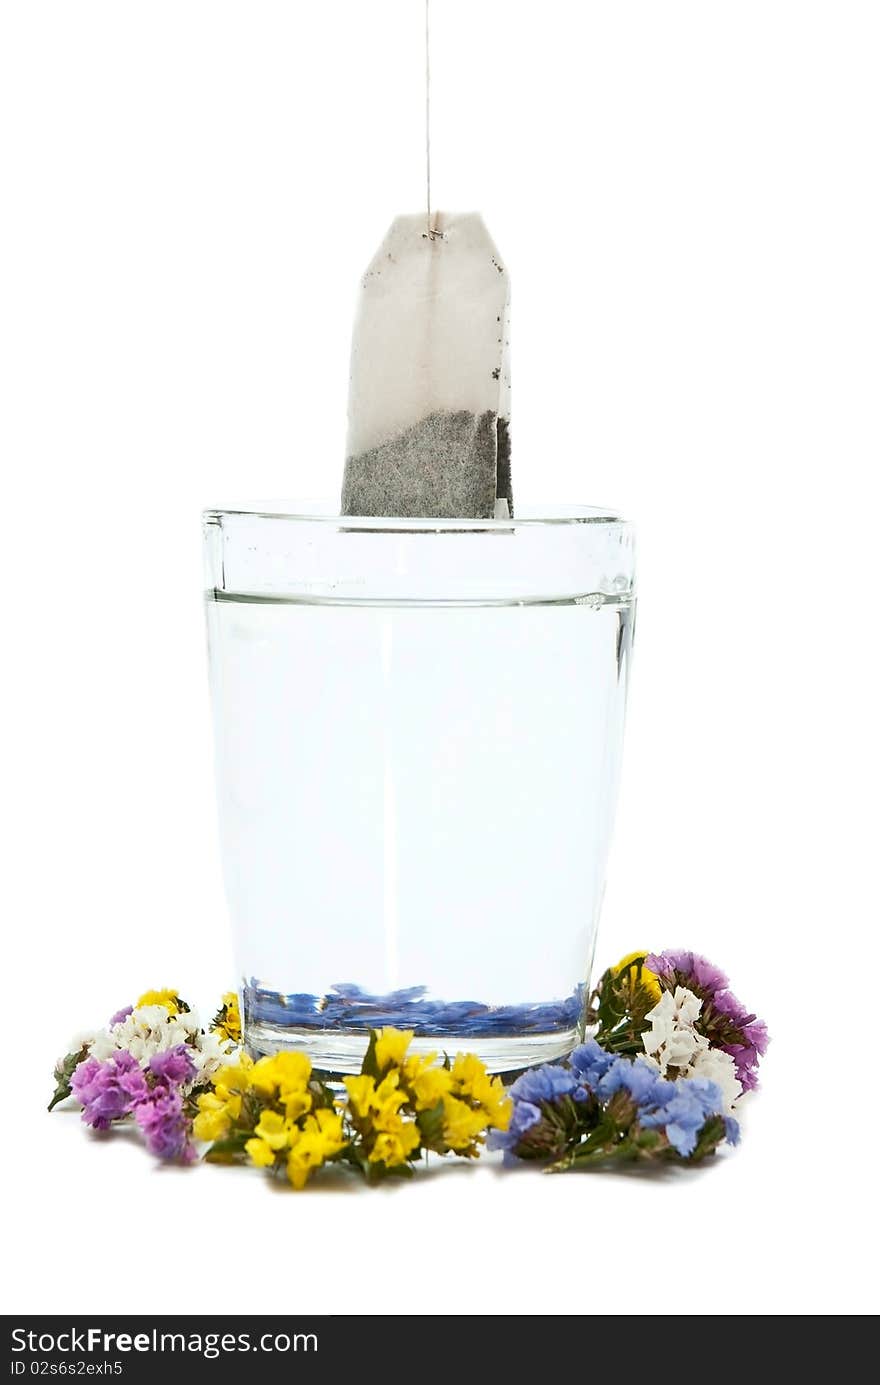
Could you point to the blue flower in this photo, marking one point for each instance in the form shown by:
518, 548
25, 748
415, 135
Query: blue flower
638, 1078
683, 1115
590, 1062
547, 1083
544, 1118
704, 1091
556, 1105
525, 1115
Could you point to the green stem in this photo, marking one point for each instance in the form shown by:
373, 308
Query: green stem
581, 1158
625, 1041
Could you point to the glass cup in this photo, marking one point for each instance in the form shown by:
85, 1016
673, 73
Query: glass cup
418, 730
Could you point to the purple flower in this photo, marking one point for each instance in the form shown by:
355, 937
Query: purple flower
174, 1067
746, 1058
121, 1015
120, 1087
691, 968
163, 1122
726, 1004
108, 1091
160, 1115
84, 1081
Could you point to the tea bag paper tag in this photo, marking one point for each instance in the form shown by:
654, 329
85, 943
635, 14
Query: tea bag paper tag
429, 398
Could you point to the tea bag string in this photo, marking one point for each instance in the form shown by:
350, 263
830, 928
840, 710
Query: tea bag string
430, 229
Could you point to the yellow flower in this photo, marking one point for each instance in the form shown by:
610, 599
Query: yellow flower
235, 1077
462, 1125
330, 1126
430, 1087
264, 1076
648, 978
495, 1104
228, 1024
283, 1072
230, 1084
330, 1129
299, 1166
319, 1138
376, 1104
170, 999
376, 1110
395, 1147
260, 1153
293, 1071
416, 1064
296, 1104
213, 1120
387, 1103
274, 1129
466, 1071
221, 1107
231, 1104
361, 1092
471, 1081
501, 1109
391, 1046
210, 1101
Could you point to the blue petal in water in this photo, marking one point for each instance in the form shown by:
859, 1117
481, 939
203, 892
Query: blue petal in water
348, 1006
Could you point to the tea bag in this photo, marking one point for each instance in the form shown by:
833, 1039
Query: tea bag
429, 398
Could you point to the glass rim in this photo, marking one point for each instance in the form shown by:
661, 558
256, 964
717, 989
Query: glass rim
327, 513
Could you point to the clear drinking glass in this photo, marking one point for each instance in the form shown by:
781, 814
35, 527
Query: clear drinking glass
418, 733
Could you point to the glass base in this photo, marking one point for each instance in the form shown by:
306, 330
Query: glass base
334, 1028
335, 1053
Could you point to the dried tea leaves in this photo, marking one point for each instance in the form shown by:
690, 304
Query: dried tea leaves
429, 401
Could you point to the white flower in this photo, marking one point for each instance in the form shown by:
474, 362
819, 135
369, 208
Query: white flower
148, 1030
673, 1042
212, 1053
151, 1029
719, 1067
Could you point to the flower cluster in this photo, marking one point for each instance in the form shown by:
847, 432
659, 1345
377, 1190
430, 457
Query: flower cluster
677, 1009
272, 1113
619, 1006
227, 1021
723, 1021
399, 1106
672, 1055
275, 1113
599, 1108
158, 1022
147, 1065
109, 1091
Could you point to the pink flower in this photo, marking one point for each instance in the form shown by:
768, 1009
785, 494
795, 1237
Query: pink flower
165, 1126
108, 1091
174, 1066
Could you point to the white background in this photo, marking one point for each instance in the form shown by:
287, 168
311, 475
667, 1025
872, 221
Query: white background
686, 195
